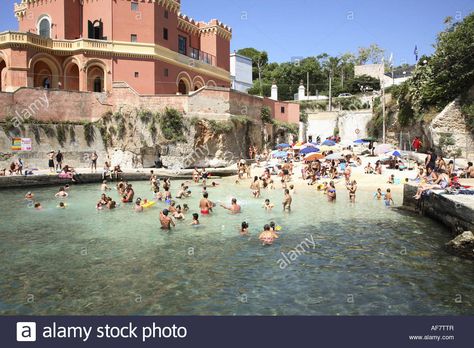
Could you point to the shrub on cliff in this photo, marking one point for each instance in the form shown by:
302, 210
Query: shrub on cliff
89, 133
220, 127
172, 125
266, 115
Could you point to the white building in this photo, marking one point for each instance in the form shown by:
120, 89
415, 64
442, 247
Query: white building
241, 72
377, 71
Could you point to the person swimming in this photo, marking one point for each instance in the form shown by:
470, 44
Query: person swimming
267, 237
138, 206
38, 206
267, 205
378, 195
195, 221
61, 193
29, 196
244, 229
178, 214
62, 205
275, 227
331, 192
104, 186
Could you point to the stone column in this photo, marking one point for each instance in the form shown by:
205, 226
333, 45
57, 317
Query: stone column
302, 132
301, 91
274, 93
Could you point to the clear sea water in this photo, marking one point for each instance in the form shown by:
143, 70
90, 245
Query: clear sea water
367, 259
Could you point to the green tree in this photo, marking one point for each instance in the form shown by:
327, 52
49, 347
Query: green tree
372, 54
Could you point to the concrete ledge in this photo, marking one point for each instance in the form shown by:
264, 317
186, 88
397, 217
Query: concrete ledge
14, 181
455, 211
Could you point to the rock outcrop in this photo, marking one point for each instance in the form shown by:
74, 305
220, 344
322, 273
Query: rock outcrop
462, 245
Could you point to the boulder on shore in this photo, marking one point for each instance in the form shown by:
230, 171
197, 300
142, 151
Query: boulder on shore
462, 245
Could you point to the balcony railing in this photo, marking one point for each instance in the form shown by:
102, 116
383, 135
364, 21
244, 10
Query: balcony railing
203, 57
195, 57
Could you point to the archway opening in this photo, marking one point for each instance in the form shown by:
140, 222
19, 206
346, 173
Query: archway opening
71, 78
95, 79
182, 87
43, 75
3, 75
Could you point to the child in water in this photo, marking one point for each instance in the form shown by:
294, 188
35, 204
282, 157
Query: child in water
38, 206
138, 205
388, 198
244, 229
62, 205
378, 194
274, 227
104, 186
267, 237
195, 219
267, 205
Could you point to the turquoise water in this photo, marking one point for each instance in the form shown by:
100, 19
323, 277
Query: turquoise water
367, 259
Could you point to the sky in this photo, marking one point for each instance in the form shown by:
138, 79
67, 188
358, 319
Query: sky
291, 29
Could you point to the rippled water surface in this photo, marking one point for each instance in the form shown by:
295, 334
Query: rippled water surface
366, 259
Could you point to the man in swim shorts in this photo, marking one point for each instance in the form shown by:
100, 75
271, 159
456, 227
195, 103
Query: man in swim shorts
234, 207
205, 204
165, 220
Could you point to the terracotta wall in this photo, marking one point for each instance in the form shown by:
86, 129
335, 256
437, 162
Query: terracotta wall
127, 22
53, 8
59, 105
52, 105
125, 69
98, 10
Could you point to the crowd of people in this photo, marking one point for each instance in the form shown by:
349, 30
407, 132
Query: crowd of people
325, 175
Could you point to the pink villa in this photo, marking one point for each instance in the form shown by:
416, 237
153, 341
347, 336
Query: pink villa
92, 46
85, 45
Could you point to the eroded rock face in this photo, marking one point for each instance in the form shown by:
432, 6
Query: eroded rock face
462, 245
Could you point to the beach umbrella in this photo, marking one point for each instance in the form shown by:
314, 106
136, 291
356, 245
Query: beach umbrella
307, 150
361, 141
346, 152
298, 146
335, 156
328, 143
383, 148
283, 146
280, 154
313, 157
394, 153
326, 148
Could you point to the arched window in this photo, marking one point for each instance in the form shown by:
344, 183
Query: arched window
45, 27
95, 30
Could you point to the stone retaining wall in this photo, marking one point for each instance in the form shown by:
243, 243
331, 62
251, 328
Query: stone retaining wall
88, 178
455, 211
